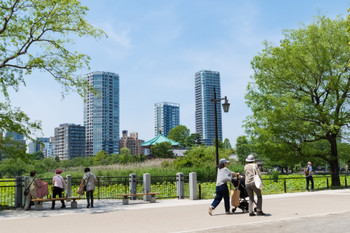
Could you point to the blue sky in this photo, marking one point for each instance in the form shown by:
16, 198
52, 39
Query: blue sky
156, 46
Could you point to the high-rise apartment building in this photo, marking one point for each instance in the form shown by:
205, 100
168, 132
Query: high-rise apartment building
205, 82
166, 117
69, 141
132, 142
41, 144
101, 114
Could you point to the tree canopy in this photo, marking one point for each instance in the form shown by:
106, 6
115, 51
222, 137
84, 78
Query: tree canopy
179, 134
36, 35
299, 93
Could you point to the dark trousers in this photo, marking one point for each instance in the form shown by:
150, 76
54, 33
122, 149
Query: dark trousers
90, 196
57, 191
222, 192
308, 179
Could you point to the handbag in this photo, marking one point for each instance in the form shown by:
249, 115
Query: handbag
257, 180
81, 189
235, 195
86, 184
26, 191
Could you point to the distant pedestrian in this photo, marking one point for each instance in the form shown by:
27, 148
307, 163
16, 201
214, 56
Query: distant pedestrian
32, 185
89, 181
58, 185
224, 175
250, 169
308, 175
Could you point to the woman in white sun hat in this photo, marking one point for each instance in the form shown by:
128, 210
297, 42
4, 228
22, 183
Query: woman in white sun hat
250, 169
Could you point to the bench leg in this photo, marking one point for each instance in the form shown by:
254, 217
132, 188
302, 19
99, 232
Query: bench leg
153, 198
125, 200
74, 204
39, 206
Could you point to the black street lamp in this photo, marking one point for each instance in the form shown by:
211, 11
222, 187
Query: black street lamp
225, 107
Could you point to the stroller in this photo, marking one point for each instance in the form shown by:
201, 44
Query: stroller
239, 183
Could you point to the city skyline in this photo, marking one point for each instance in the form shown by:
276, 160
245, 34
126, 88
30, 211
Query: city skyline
158, 46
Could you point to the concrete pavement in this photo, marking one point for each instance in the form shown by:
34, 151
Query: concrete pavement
322, 211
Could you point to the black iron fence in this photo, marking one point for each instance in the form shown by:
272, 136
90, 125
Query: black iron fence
281, 185
109, 187
7, 193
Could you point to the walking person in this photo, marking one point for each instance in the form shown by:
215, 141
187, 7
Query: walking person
308, 175
89, 181
224, 175
32, 184
58, 185
250, 169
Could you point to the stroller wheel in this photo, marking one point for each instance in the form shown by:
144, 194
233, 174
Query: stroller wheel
234, 209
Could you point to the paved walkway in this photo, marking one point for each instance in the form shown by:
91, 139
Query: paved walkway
323, 211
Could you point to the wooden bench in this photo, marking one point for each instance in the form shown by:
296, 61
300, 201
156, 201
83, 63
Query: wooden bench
126, 200
73, 204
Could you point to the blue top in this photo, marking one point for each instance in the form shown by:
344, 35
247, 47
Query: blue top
310, 169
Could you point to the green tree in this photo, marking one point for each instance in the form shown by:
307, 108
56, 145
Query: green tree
125, 156
227, 144
162, 150
243, 148
36, 35
193, 140
102, 158
38, 155
12, 149
179, 134
299, 92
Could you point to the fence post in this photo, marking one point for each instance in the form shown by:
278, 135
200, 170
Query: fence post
69, 186
18, 192
199, 191
285, 186
180, 185
193, 186
133, 185
327, 183
146, 186
98, 188
346, 182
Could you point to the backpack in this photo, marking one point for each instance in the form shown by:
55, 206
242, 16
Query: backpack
307, 171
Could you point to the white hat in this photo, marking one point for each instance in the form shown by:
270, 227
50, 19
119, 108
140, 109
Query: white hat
250, 158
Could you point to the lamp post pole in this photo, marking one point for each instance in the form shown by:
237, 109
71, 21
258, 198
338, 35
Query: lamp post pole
225, 107
216, 131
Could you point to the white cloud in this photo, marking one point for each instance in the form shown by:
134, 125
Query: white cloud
122, 37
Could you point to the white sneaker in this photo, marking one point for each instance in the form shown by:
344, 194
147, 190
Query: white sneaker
210, 210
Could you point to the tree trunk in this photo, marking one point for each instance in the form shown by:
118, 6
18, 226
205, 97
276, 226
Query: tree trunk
334, 163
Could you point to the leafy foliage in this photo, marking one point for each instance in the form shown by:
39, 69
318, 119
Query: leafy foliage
299, 94
162, 150
36, 35
243, 148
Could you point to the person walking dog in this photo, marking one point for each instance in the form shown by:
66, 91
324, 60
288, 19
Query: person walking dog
250, 169
224, 175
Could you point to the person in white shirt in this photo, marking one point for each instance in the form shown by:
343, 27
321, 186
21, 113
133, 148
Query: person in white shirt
57, 188
89, 181
224, 175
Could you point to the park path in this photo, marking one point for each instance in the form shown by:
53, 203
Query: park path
322, 211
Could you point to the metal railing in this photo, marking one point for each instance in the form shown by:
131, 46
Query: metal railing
280, 185
7, 193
